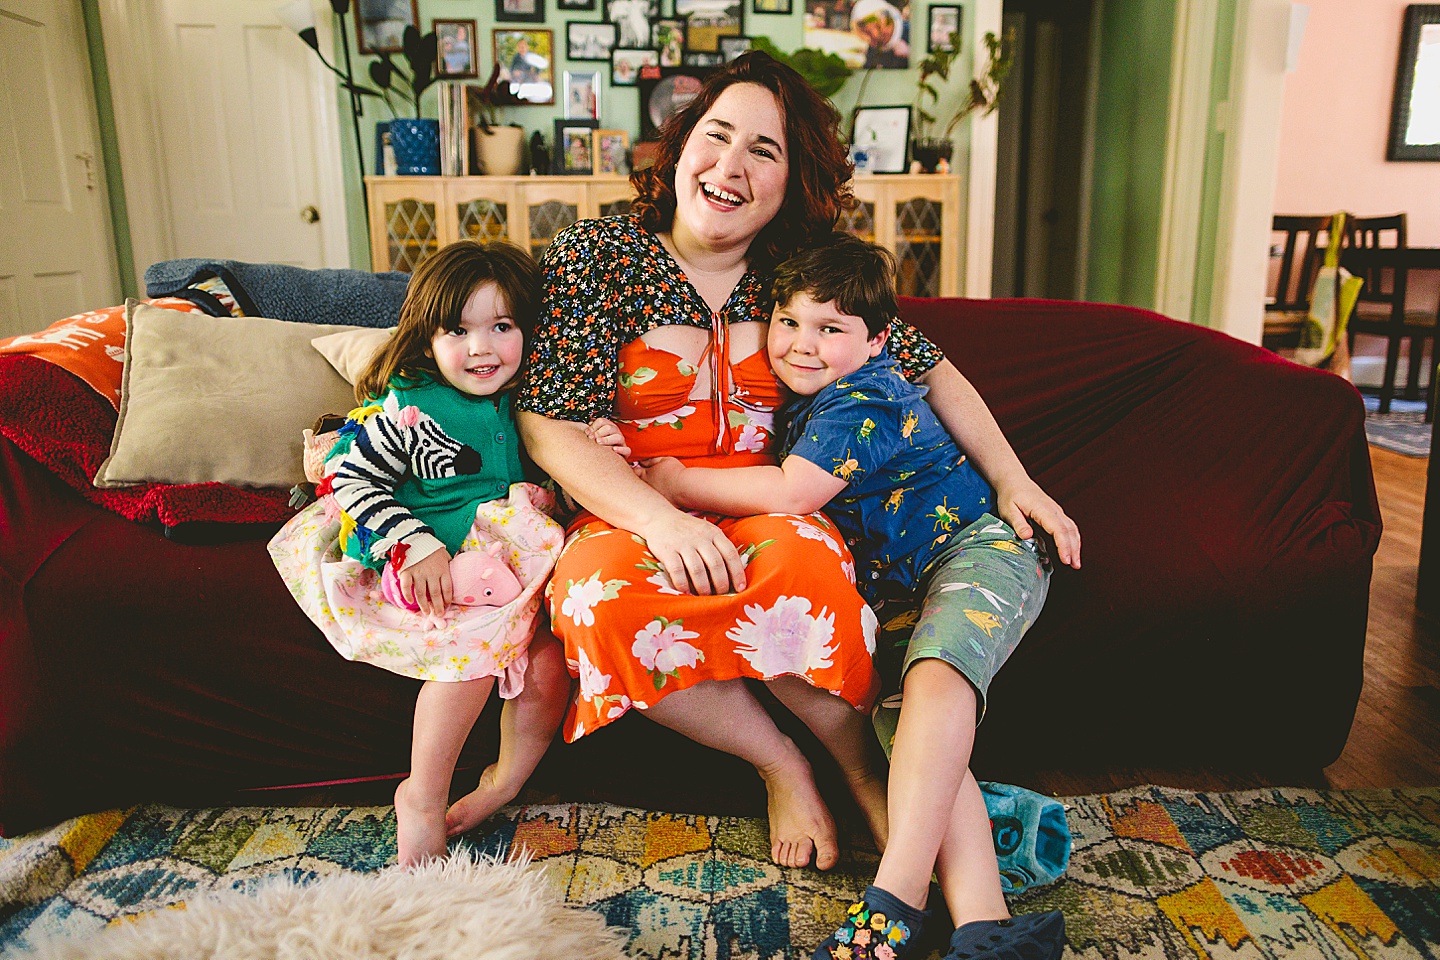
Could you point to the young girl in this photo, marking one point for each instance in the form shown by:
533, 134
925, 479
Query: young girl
427, 467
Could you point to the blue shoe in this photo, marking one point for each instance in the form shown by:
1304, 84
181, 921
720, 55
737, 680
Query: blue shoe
1032, 837
881, 927
1030, 936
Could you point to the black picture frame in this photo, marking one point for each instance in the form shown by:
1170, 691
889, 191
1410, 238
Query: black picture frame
452, 36
519, 11
931, 26
626, 63
664, 96
1418, 16
695, 58
892, 126
771, 7
586, 38
705, 27
380, 24
632, 19
566, 137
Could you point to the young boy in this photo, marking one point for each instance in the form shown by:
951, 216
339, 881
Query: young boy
860, 441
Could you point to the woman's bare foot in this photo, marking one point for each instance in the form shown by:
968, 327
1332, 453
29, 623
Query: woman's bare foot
419, 827
800, 824
867, 786
476, 807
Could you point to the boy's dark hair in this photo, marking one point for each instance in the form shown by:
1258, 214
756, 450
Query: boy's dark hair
859, 277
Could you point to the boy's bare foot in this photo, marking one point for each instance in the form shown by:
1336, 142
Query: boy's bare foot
800, 824
479, 804
868, 788
419, 827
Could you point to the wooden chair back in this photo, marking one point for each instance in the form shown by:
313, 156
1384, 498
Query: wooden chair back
1297, 249
1376, 254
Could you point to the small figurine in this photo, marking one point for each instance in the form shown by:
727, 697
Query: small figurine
942, 165
539, 155
916, 167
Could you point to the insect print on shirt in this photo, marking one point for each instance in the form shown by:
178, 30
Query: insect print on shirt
944, 517
866, 428
908, 425
847, 468
896, 498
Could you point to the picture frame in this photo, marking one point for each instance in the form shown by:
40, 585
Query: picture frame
732, 47
455, 49
632, 19
709, 20
1415, 108
582, 94
770, 6
575, 4
696, 59
884, 133
944, 20
519, 11
380, 24
667, 34
611, 152
527, 63
574, 147
587, 40
625, 65
664, 96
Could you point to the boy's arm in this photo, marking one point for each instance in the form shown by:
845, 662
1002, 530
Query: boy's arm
796, 486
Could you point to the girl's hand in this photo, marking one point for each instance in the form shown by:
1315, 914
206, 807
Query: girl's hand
427, 582
1025, 502
696, 554
607, 434
662, 473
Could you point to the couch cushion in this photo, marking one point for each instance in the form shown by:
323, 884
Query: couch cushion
221, 399
350, 352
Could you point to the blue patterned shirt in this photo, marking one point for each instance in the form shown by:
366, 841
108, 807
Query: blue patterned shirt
910, 488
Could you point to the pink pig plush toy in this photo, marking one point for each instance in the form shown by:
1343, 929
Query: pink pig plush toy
479, 579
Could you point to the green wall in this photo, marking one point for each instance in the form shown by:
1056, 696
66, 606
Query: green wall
1215, 146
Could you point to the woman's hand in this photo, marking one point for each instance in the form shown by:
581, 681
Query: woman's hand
427, 582
696, 554
662, 473
1024, 501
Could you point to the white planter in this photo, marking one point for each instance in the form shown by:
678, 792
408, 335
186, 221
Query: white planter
498, 151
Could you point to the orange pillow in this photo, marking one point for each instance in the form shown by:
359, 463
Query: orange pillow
89, 345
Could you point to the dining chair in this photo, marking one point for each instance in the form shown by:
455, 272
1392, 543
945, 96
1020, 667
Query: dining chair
1377, 254
1297, 249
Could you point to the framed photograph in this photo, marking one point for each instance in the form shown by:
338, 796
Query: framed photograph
380, 24
1415, 111
709, 20
866, 34
589, 41
574, 150
883, 133
625, 66
575, 4
455, 48
668, 36
520, 11
632, 18
661, 99
582, 94
527, 63
611, 149
945, 20
770, 6
732, 47
704, 60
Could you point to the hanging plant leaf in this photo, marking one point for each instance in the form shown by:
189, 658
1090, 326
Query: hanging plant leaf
380, 71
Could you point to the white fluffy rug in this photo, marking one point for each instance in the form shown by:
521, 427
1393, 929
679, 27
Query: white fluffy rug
468, 907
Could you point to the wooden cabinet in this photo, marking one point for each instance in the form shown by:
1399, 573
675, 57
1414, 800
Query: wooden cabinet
915, 216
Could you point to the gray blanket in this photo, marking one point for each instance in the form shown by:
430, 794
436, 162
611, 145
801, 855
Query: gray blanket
291, 293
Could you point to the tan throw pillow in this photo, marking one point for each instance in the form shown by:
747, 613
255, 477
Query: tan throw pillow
218, 398
349, 352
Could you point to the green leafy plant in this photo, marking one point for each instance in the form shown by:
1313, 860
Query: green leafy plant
825, 72
984, 92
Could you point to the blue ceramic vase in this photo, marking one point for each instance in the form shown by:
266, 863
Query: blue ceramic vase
416, 143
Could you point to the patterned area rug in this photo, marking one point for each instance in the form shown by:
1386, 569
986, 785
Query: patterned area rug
1155, 873
1402, 430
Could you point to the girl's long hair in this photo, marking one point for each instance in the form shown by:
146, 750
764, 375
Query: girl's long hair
437, 295
818, 188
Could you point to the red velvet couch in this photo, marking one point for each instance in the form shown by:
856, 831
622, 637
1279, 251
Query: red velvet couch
1229, 522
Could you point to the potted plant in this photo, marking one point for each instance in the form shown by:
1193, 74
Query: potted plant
498, 149
416, 140
983, 94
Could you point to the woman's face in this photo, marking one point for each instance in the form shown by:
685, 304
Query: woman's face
731, 177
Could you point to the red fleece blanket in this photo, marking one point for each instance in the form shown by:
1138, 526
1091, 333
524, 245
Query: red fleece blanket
55, 417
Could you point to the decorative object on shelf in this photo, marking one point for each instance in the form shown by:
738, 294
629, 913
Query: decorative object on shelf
709, 20
520, 11
526, 61
382, 23
1415, 110
455, 41
612, 147
632, 18
881, 134
416, 142
643, 154
625, 65
498, 150
826, 72
944, 26
582, 94
384, 153
573, 147
983, 94
539, 155
589, 41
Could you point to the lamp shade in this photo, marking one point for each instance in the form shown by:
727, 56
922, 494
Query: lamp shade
299, 16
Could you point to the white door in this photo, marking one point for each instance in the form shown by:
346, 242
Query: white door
56, 253
238, 119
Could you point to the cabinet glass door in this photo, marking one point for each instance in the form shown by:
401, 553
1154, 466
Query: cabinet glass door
411, 233
482, 219
546, 220
917, 246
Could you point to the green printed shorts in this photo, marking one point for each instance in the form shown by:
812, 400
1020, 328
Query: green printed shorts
982, 592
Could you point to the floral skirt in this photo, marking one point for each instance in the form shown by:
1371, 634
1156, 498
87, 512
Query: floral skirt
633, 639
343, 598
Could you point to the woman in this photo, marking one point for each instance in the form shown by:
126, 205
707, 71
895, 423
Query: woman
658, 320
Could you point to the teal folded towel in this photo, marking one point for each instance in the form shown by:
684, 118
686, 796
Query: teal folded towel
1032, 837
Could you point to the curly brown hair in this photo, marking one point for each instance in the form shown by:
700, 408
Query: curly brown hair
436, 297
818, 188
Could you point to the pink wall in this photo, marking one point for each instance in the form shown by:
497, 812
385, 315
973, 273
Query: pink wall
1336, 122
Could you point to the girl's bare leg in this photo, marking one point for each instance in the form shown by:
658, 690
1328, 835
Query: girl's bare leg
444, 714
527, 726
937, 815
847, 734
724, 715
